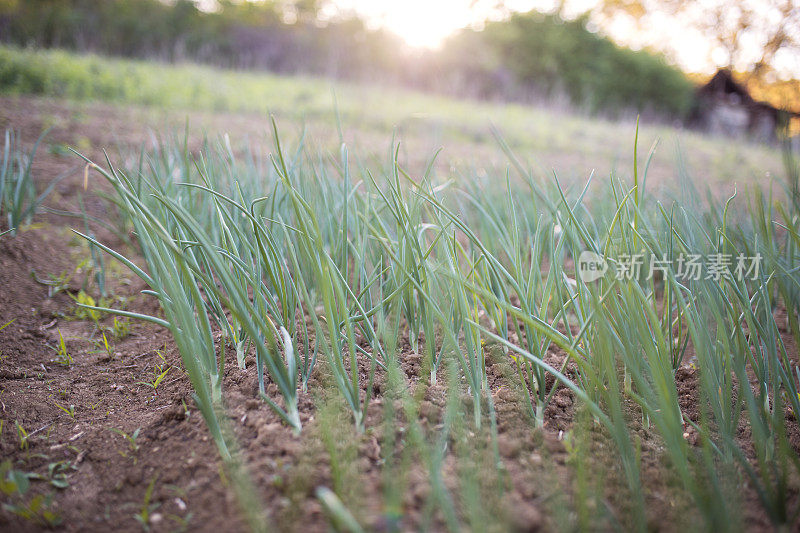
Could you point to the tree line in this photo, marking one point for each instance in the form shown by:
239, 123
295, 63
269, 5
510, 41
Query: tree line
526, 56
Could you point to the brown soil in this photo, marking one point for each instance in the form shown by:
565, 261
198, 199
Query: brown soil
108, 477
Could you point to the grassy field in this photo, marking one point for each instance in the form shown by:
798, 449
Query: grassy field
546, 139
373, 342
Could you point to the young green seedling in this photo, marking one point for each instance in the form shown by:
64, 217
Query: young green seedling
62, 355
131, 439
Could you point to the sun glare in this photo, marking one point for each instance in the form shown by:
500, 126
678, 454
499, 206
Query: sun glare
427, 23
418, 26
420, 23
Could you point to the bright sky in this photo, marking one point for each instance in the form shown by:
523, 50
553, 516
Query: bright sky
426, 23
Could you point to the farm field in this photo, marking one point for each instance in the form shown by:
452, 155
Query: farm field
544, 139
327, 325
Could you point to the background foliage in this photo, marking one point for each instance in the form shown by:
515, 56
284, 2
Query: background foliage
528, 56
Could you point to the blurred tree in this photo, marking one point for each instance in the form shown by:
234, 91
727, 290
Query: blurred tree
751, 33
8, 6
523, 56
307, 9
552, 56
